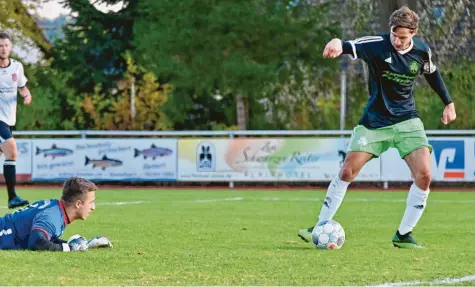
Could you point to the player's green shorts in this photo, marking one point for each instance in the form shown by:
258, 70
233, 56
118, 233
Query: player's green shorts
406, 137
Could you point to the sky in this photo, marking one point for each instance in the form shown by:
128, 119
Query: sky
52, 9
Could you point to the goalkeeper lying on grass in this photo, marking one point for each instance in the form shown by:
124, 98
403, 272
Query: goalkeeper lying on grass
38, 226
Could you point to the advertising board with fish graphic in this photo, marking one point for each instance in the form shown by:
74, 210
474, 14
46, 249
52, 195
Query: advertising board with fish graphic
105, 159
54, 151
23, 162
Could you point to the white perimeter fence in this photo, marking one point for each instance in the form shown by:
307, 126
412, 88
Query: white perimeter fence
224, 156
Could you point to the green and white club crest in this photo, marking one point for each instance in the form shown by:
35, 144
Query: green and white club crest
414, 67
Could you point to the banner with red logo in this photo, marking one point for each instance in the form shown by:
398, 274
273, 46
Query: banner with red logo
452, 159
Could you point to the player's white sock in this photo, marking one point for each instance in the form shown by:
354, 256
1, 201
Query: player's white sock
335, 193
415, 204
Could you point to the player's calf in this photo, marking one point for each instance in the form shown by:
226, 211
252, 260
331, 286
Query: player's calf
9, 148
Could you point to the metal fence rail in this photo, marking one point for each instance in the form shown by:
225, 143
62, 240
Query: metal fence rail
231, 134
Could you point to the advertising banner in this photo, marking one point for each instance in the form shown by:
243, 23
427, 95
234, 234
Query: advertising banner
23, 162
105, 159
266, 159
452, 159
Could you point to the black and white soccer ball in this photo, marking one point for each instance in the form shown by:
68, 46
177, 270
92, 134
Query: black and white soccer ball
328, 235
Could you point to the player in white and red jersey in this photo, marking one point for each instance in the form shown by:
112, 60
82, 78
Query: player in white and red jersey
12, 81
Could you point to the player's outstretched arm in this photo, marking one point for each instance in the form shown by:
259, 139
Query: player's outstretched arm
436, 82
359, 48
333, 49
39, 241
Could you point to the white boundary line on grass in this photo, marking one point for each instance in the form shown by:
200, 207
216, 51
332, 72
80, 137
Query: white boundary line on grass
121, 203
278, 199
105, 203
469, 278
321, 199
219, 199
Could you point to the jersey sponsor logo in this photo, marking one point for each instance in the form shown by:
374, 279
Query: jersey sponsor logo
450, 158
6, 232
414, 67
14, 77
398, 78
6, 90
44, 204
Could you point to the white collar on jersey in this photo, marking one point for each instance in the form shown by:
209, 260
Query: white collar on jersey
408, 48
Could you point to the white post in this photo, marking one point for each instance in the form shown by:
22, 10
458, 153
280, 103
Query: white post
343, 98
343, 66
231, 136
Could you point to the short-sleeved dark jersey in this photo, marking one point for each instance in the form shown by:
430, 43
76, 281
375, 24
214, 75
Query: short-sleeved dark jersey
391, 77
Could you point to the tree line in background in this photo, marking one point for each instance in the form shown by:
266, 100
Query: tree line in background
165, 65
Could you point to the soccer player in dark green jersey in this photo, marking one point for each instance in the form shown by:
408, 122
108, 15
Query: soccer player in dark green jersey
390, 118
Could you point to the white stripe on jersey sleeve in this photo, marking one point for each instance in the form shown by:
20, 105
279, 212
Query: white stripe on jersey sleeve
429, 66
354, 56
368, 39
363, 40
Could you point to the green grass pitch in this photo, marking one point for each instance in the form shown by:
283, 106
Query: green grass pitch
236, 237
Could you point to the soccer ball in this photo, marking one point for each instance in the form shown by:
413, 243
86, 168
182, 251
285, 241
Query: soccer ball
328, 234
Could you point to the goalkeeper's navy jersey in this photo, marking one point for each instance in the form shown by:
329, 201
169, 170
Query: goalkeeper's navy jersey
391, 78
48, 216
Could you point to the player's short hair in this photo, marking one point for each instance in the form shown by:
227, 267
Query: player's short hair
405, 18
5, 35
75, 188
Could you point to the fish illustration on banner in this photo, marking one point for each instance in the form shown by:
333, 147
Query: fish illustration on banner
153, 152
54, 151
103, 163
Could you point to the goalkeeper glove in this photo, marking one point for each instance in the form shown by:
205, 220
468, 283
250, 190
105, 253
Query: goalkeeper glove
99, 241
77, 243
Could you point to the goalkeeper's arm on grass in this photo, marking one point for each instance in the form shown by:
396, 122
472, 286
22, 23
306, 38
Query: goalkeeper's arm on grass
41, 241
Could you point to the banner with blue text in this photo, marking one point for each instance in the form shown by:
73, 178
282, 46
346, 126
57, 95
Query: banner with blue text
105, 159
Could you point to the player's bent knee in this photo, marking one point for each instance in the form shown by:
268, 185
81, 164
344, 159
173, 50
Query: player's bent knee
347, 174
10, 150
11, 155
423, 179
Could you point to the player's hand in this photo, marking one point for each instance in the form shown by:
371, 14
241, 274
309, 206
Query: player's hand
99, 241
333, 49
449, 114
77, 243
27, 99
